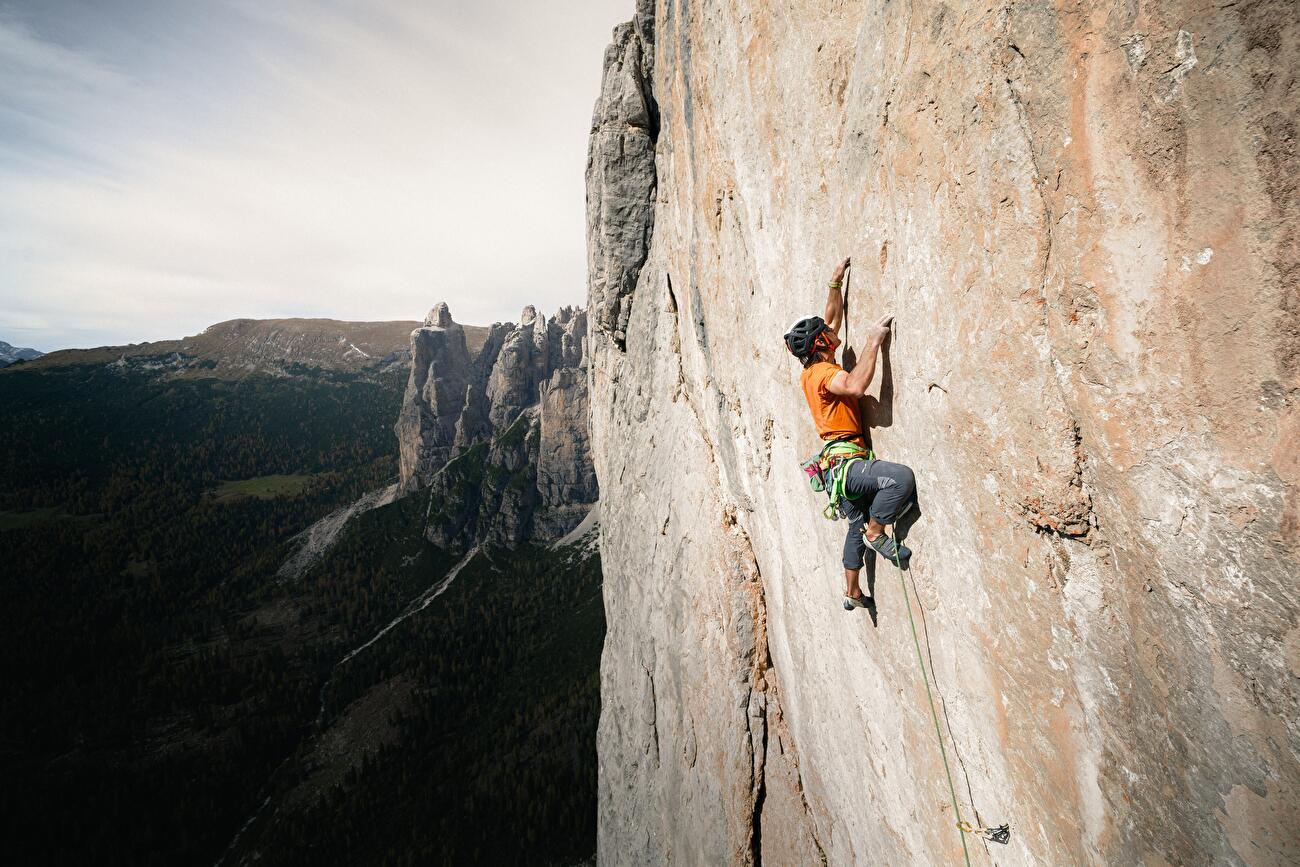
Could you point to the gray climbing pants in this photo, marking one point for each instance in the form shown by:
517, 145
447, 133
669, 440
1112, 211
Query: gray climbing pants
880, 489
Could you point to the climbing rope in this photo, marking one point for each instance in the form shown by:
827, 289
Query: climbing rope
844, 312
1000, 834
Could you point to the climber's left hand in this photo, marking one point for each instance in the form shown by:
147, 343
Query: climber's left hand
840, 269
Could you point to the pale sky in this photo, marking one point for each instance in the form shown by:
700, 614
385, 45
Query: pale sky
168, 164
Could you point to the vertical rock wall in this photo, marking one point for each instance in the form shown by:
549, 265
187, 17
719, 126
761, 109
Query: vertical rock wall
1083, 217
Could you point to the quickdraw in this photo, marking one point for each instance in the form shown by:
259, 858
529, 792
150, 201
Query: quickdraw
1000, 834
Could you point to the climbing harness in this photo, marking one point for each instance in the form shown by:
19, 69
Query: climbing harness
826, 472
1000, 834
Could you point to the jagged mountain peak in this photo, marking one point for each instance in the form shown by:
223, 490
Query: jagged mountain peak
439, 316
508, 421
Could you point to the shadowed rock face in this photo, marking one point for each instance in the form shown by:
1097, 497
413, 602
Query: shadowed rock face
621, 174
1084, 221
500, 439
566, 480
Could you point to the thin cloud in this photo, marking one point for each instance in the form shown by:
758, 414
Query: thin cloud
286, 159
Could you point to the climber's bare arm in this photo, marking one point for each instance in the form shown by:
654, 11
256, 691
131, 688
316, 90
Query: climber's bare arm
834, 314
856, 382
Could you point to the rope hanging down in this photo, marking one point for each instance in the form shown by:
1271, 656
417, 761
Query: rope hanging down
1000, 834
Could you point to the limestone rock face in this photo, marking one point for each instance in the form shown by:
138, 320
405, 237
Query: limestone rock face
498, 442
474, 423
435, 395
520, 366
1084, 220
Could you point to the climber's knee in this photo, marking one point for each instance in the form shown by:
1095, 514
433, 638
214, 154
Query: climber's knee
897, 487
907, 480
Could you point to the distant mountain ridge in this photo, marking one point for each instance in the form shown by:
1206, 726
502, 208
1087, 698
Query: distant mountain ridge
238, 347
9, 354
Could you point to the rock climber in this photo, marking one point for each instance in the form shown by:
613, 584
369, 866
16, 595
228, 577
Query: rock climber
870, 493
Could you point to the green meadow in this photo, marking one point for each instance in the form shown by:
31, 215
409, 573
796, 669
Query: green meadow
263, 487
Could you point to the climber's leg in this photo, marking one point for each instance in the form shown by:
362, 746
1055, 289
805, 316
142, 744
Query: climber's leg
853, 596
855, 548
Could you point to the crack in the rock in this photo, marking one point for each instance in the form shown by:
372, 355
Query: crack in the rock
1043, 522
1046, 214
763, 681
759, 784
1022, 120
907, 53
654, 710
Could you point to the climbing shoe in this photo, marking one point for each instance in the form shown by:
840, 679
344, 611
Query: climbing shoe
885, 547
862, 601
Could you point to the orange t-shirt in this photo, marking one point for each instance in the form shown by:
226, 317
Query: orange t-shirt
836, 417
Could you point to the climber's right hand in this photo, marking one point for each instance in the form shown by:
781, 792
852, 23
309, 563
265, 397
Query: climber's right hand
880, 330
